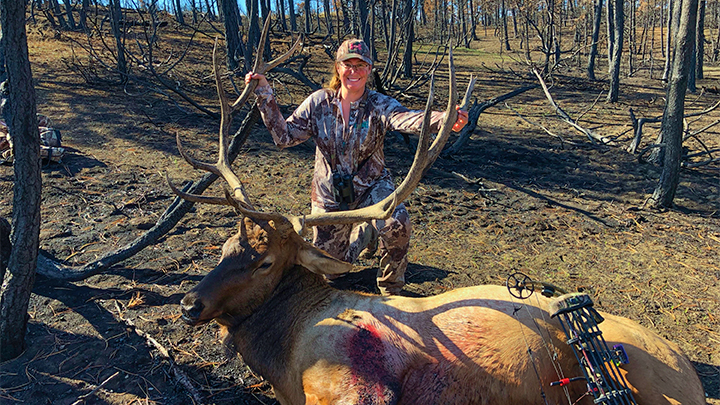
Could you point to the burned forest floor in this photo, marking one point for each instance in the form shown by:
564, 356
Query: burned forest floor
515, 199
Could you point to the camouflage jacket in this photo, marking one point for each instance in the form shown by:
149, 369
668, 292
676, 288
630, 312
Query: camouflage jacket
355, 149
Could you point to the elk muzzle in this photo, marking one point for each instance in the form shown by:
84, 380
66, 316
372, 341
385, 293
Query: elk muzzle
192, 309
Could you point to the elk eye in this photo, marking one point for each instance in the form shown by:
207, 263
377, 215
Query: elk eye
264, 266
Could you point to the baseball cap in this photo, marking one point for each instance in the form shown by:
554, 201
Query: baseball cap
354, 48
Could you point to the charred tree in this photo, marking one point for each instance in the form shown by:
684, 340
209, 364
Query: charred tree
20, 115
179, 13
84, 7
292, 15
116, 19
409, 39
595, 38
69, 14
328, 17
503, 15
700, 41
614, 69
308, 17
672, 124
58, 14
233, 43
253, 36
5, 247
364, 24
281, 13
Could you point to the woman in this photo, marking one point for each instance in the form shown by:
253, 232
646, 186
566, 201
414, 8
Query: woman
348, 124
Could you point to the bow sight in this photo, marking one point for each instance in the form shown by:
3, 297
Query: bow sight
579, 321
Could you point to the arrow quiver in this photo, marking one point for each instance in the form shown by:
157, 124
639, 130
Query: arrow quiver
579, 320
599, 364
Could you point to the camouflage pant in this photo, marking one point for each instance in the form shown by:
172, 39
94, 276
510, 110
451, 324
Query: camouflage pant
345, 242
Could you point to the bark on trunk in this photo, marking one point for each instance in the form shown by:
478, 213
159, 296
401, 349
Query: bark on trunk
672, 126
409, 39
116, 21
700, 40
291, 14
595, 38
20, 115
232, 33
618, 24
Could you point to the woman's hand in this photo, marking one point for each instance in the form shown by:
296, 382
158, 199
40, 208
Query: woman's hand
462, 119
262, 81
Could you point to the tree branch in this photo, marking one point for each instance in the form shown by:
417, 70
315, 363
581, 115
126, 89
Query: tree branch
474, 115
565, 117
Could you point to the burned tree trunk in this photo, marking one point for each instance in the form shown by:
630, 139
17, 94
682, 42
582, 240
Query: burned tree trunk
328, 17
20, 115
595, 39
291, 14
409, 38
614, 70
84, 7
672, 125
700, 41
308, 17
69, 14
506, 38
116, 21
233, 43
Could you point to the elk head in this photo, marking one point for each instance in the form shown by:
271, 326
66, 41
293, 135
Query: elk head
268, 245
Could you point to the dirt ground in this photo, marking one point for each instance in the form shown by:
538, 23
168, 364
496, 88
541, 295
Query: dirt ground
515, 199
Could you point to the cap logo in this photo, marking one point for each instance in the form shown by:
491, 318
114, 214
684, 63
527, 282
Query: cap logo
356, 47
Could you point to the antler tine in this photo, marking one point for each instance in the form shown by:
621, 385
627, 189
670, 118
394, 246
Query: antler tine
468, 93
194, 197
261, 45
450, 114
262, 68
256, 215
222, 167
223, 164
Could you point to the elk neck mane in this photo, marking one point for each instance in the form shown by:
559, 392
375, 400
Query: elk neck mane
264, 337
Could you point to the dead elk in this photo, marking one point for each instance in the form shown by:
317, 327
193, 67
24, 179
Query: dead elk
318, 345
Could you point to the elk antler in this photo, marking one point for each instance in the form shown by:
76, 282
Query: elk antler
425, 156
262, 68
222, 167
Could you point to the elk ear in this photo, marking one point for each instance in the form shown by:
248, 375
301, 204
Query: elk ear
319, 262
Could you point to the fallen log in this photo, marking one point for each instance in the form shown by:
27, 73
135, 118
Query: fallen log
565, 117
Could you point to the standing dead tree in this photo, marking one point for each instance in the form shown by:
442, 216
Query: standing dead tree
672, 124
19, 112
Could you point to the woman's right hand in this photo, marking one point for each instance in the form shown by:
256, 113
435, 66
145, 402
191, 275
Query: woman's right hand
262, 81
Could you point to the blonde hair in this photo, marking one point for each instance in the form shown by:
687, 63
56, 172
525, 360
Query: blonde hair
334, 82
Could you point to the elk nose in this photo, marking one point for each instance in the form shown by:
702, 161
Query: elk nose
191, 310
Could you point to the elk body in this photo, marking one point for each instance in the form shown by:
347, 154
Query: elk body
319, 345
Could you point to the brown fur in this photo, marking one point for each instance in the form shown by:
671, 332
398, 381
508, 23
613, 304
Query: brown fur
317, 345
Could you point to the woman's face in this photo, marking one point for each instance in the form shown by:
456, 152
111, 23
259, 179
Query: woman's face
353, 74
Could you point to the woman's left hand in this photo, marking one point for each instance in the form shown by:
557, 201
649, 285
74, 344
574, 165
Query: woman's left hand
462, 119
